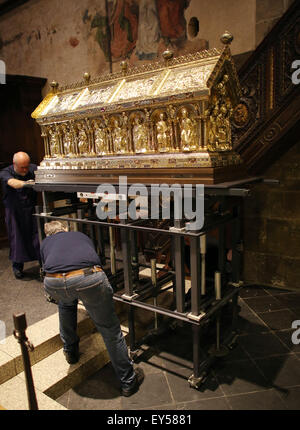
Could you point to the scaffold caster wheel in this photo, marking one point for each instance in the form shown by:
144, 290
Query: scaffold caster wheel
222, 351
197, 382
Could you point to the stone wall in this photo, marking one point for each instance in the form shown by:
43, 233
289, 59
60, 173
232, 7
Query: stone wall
60, 40
268, 12
44, 39
272, 226
272, 213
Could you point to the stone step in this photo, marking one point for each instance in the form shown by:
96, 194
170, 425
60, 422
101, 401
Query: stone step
44, 336
53, 376
13, 397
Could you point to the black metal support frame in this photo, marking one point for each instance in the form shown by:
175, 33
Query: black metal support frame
205, 305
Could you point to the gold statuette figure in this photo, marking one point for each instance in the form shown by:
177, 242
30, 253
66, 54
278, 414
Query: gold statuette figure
83, 143
163, 135
101, 146
212, 128
119, 138
188, 133
222, 132
54, 142
140, 136
68, 142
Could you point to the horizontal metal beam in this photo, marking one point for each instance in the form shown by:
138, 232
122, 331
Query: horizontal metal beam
133, 226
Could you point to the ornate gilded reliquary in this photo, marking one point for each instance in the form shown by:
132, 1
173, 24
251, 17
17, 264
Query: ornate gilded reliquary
164, 122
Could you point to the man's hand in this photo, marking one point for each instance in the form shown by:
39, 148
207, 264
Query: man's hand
29, 184
16, 183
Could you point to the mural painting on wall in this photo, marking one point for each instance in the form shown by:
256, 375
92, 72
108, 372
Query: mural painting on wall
140, 28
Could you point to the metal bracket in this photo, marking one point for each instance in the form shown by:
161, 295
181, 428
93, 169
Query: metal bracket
129, 298
177, 230
191, 316
196, 382
236, 284
104, 196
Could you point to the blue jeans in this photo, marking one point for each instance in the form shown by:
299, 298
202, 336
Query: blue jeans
96, 294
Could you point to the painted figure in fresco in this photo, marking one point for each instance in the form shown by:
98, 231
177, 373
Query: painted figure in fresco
83, 143
100, 138
163, 135
123, 27
119, 138
140, 136
148, 30
69, 148
171, 18
54, 142
188, 133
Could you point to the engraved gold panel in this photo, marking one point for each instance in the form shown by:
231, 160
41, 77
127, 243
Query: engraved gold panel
136, 88
183, 79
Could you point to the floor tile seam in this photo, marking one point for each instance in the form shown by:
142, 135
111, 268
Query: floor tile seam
218, 381
264, 324
287, 354
263, 357
12, 357
270, 331
245, 303
287, 386
228, 403
274, 333
267, 379
253, 333
269, 311
256, 366
169, 387
255, 297
280, 294
280, 397
269, 296
250, 392
200, 400
297, 355
153, 408
273, 311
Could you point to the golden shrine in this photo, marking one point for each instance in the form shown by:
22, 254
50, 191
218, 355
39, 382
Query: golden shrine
168, 121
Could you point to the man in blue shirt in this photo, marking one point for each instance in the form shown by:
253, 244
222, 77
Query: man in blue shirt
19, 201
72, 271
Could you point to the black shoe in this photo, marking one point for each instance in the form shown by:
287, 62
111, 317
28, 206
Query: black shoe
72, 357
139, 377
18, 274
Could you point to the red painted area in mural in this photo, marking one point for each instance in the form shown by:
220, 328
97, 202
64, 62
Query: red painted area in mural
171, 17
124, 28
73, 41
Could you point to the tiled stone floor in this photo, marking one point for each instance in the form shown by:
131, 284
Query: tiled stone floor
18, 296
261, 373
